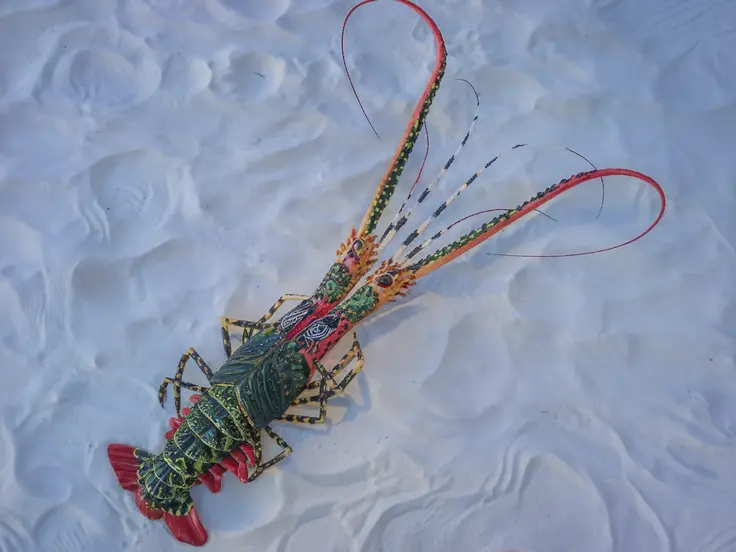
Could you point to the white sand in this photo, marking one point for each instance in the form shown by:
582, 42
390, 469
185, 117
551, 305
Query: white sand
152, 181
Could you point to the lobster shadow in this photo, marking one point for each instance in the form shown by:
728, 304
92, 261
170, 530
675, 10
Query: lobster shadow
388, 322
461, 280
454, 282
383, 324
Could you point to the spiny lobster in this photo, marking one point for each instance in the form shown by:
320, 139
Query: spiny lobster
276, 362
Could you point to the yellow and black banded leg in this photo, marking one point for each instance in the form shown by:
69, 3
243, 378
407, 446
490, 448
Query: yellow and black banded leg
177, 381
185, 385
249, 330
280, 301
254, 438
249, 327
354, 351
337, 388
344, 361
322, 398
354, 371
287, 450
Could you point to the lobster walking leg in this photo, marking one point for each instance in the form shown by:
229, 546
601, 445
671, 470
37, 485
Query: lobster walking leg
280, 301
324, 393
178, 383
340, 387
344, 361
250, 454
184, 384
249, 330
355, 351
312, 420
286, 451
250, 327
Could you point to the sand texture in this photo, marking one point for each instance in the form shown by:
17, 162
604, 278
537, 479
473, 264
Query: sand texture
164, 163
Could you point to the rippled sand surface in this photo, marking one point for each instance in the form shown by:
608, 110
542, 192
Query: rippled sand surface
167, 162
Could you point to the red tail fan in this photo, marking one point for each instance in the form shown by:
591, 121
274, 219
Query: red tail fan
125, 463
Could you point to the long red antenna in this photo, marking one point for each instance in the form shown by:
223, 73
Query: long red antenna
489, 229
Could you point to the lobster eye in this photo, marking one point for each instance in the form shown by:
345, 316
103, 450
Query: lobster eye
385, 281
357, 245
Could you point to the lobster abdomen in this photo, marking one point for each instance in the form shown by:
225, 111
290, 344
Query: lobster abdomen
214, 426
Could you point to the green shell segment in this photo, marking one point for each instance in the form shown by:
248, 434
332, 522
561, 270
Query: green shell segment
226, 396
208, 433
219, 416
267, 391
246, 356
360, 304
214, 426
335, 284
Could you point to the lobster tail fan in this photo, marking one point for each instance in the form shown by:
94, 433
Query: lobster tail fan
480, 234
187, 528
126, 462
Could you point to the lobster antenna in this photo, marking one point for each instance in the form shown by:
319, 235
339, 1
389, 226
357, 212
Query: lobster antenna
345, 65
603, 184
388, 183
429, 241
419, 174
480, 234
431, 218
367, 118
398, 221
